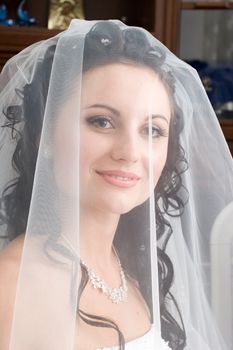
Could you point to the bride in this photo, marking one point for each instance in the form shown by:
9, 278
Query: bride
104, 197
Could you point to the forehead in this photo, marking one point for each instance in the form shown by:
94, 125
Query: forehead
125, 85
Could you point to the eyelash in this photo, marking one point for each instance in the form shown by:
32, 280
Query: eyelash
97, 121
160, 132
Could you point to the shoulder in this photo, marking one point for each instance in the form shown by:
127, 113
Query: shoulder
10, 258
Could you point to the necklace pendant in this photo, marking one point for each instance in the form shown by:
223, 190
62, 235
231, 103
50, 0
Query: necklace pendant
116, 295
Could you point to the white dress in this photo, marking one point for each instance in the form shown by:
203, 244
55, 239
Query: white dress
149, 341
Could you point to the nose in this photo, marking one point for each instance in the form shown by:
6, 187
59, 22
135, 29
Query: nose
126, 148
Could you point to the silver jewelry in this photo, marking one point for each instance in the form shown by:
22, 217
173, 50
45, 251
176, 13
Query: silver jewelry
116, 295
105, 41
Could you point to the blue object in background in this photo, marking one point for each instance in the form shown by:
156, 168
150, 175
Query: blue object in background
4, 21
23, 17
218, 82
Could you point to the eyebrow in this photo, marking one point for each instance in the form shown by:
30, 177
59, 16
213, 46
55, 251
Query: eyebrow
117, 113
158, 116
111, 109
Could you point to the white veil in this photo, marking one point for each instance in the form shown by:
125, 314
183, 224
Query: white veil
40, 189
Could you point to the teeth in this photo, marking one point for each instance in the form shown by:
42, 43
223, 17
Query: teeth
121, 178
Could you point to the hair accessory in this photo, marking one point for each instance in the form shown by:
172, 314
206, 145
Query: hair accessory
116, 295
105, 41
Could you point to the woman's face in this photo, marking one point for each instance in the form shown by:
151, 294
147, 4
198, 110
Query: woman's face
117, 102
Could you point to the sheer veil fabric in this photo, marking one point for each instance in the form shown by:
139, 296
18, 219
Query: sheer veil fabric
45, 188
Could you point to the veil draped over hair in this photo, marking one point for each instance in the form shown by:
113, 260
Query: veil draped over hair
163, 244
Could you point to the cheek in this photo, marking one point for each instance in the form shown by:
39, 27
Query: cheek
87, 153
94, 151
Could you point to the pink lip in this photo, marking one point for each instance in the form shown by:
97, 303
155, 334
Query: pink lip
119, 178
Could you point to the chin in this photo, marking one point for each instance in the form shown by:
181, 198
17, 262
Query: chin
113, 202
121, 207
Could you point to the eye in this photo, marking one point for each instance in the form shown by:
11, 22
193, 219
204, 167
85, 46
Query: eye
156, 131
100, 122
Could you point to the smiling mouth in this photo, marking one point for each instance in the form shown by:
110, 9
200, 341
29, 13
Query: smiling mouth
119, 178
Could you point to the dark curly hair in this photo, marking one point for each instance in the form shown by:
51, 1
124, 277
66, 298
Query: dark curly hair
106, 43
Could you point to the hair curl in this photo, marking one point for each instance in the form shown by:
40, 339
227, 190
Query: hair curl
105, 43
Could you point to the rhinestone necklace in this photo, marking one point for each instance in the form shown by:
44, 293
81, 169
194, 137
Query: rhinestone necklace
116, 295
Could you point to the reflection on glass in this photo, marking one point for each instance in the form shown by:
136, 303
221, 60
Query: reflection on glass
206, 43
210, 35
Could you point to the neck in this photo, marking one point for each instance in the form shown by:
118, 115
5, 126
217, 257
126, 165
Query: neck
97, 231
